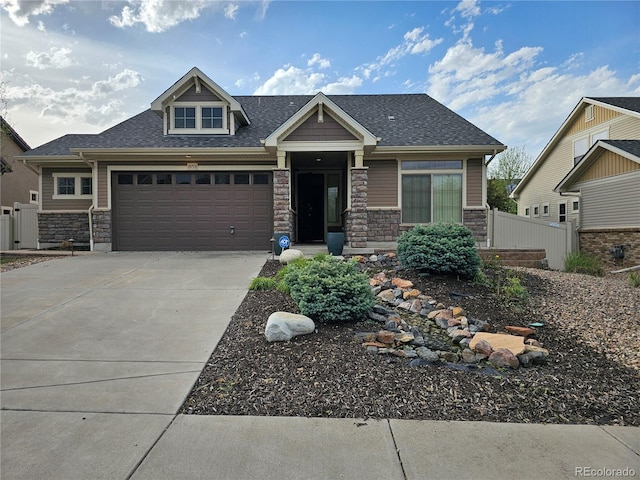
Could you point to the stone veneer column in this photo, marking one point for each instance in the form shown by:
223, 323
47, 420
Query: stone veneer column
357, 221
282, 216
102, 230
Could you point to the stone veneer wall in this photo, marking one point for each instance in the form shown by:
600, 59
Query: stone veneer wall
356, 223
102, 226
282, 215
599, 243
476, 221
54, 228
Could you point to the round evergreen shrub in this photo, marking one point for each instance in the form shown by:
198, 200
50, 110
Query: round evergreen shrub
439, 248
329, 290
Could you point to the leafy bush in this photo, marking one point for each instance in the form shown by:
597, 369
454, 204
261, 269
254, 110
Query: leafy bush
329, 290
578, 262
440, 248
513, 290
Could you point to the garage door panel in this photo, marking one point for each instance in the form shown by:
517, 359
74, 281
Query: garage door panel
191, 217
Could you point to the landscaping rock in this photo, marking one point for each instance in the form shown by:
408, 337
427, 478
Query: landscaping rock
522, 331
426, 354
386, 336
482, 347
503, 357
289, 255
283, 326
500, 340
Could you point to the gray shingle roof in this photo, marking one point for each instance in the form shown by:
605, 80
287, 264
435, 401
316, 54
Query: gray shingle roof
630, 146
628, 103
419, 120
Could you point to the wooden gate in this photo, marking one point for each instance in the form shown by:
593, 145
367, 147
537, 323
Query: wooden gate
25, 226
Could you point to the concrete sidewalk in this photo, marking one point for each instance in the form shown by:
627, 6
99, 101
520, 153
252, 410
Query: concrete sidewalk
99, 351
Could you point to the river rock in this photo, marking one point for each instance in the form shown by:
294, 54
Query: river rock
427, 354
385, 336
401, 283
482, 347
503, 357
283, 326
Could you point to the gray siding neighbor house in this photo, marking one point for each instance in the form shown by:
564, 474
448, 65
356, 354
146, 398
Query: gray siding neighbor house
204, 170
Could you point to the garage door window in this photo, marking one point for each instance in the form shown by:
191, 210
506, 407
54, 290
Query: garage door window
223, 179
203, 179
183, 179
241, 179
125, 179
145, 179
163, 179
261, 179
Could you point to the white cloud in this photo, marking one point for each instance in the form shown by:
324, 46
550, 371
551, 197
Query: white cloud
20, 10
55, 58
344, 86
231, 11
159, 15
291, 80
41, 26
316, 59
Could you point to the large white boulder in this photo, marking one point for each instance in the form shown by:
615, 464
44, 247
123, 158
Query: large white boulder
283, 326
289, 255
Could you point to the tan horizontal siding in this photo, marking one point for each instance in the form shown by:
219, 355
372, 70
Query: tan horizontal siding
627, 128
608, 165
382, 183
612, 202
48, 203
474, 182
205, 95
600, 115
103, 185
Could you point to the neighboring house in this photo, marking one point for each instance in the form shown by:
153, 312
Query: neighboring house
607, 180
593, 119
204, 170
18, 183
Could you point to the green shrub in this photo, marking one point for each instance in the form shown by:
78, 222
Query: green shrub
440, 248
262, 283
634, 279
513, 290
330, 291
578, 262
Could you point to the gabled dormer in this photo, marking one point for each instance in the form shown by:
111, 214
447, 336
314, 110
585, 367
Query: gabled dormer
196, 105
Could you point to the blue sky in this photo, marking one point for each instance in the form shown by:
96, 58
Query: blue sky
514, 68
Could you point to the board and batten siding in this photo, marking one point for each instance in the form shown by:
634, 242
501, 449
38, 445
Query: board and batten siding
48, 203
382, 183
311, 130
205, 95
611, 202
474, 182
103, 185
608, 165
600, 115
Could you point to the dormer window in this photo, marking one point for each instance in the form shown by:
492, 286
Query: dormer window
192, 118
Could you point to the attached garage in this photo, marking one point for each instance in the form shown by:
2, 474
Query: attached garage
192, 210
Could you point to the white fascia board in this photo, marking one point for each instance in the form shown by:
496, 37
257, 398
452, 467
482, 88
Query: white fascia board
585, 162
297, 118
478, 149
168, 152
613, 107
159, 103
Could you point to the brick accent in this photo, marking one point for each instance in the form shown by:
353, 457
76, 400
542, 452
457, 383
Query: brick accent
101, 226
476, 221
282, 215
53, 228
599, 243
356, 223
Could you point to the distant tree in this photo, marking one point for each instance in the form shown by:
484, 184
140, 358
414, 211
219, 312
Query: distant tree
504, 173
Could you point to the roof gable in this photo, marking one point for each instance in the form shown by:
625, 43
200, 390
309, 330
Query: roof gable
624, 105
193, 81
320, 127
628, 150
319, 104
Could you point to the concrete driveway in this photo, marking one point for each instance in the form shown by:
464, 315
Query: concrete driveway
98, 352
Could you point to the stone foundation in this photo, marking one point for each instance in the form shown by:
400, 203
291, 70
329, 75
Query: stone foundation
384, 225
600, 242
102, 230
476, 221
54, 228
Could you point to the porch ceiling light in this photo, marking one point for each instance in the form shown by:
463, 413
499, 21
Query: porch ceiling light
318, 159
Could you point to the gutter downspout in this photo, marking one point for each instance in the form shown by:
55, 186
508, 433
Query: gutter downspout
90, 211
489, 240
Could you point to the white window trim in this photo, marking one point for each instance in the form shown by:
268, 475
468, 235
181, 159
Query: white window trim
548, 207
8, 209
31, 194
78, 186
534, 207
566, 211
588, 113
198, 130
604, 131
573, 200
581, 139
527, 212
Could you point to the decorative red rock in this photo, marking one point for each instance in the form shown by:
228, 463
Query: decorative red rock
503, 357
523, 331
483, 347
385, 336
401, 283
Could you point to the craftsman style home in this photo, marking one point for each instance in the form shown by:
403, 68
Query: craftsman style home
205, 170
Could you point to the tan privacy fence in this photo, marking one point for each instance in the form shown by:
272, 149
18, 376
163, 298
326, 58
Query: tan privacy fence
20, 229
505, 230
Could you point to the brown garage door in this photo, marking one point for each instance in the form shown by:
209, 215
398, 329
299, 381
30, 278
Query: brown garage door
192, 211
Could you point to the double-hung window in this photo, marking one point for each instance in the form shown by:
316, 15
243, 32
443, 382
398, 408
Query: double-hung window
72, 185
431, 191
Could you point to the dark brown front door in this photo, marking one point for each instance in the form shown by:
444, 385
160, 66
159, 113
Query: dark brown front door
310, 207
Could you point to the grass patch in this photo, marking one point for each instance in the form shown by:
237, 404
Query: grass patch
634, 279
578, 262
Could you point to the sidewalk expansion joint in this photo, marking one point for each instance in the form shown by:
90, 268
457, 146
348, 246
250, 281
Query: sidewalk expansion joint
395, 446
153, 445
619, 440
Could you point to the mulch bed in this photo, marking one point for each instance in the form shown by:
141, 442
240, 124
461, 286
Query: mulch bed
328, 374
